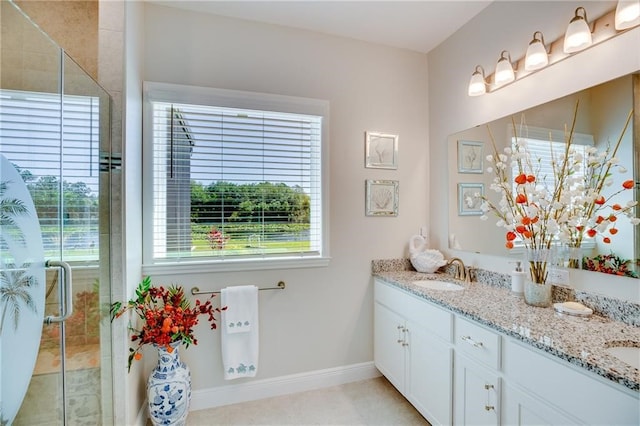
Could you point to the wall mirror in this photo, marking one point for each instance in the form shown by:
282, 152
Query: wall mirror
602, 112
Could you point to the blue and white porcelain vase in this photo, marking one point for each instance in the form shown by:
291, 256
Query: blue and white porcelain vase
169, 388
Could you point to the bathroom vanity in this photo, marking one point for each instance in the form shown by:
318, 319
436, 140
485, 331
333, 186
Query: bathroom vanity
481, 355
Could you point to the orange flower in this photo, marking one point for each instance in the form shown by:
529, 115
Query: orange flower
599, 219
531, 178
168, 317
535, 219
526, 220
511, 236
579, 228
600, 200
520, 229
628, 184
527, 234
521, 199
616, 207
591, 232
612, 218
613, 231
169, 349
606, 240
166, 325
509, 245
521, 179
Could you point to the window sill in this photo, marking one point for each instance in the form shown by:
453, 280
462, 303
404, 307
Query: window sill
198, 267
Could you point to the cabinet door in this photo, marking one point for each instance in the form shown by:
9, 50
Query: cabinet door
520, 408
389, 345
429, 375
477, 394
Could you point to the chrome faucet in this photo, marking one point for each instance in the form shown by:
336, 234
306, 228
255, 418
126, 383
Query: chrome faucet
461, 271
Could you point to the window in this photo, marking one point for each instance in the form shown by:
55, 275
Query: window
546, 144
232, 176
53, 141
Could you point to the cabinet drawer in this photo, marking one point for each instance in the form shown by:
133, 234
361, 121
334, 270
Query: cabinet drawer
430, 317
478, 343
420, 311
389, 296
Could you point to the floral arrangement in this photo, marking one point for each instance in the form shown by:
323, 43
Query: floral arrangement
540, 213
166, 315
217, 239
610, 264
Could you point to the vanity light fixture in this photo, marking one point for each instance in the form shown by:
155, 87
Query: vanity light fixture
477, 84
537, 55
578, 35
504, 70
627, 14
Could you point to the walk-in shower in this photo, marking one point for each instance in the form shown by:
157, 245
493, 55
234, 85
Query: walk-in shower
54, 142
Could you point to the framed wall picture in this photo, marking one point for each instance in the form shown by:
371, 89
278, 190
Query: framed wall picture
470, 156
381, 150
381, 197
470, 199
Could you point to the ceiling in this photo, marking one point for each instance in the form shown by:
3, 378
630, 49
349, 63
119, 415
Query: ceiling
418, 25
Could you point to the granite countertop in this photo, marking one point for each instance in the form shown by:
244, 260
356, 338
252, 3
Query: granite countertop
580, 341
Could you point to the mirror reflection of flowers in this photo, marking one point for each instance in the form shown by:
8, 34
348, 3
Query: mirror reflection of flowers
540, 210
217, 239
610, 264
166, 316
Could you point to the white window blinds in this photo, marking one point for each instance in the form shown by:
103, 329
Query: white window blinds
233, 183
53, 140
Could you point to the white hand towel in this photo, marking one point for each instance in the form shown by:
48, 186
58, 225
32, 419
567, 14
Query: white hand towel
239, 334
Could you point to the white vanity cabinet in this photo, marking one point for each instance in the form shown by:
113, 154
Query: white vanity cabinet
477, 396
455, 370
412, 348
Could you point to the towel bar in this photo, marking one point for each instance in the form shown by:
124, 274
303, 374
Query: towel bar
195, 290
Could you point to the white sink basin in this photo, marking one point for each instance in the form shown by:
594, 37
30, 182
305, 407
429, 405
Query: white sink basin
626, 354
438, 285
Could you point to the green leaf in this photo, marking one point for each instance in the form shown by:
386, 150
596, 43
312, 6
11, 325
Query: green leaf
115, 309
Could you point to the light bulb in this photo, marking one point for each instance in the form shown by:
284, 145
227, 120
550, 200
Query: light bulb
477, 84
578, 35
504, 71
627, 14
537, 56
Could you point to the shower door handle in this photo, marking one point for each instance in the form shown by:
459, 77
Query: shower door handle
67, 301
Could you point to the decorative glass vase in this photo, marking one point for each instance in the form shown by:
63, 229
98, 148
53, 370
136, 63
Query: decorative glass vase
537, 288
574, 257
169, 388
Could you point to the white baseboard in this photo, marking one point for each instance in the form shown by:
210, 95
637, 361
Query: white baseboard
284, 385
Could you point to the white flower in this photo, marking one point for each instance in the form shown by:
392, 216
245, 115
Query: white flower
489, 158
634, 220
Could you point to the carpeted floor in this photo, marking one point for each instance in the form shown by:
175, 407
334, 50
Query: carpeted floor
368, 402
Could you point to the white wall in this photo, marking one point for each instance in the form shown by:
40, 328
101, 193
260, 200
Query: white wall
324, 317
510, 25
128, 401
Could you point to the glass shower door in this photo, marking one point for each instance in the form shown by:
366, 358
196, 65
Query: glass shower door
54, 133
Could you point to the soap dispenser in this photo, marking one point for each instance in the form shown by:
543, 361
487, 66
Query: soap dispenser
517, 279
